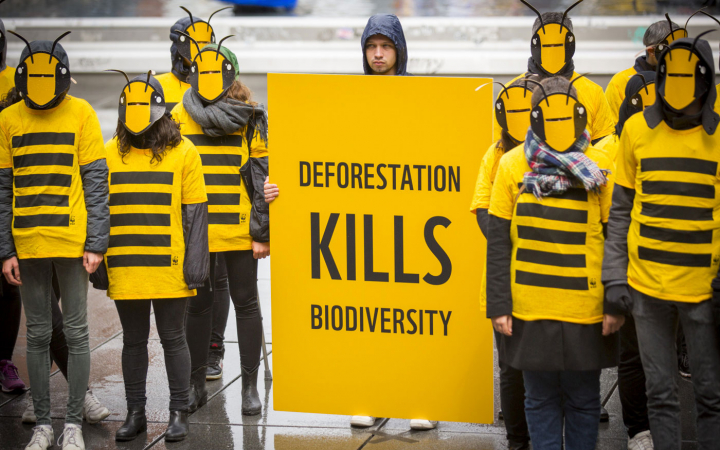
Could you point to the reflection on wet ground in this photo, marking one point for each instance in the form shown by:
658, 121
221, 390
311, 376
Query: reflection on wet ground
220, 424
349, 8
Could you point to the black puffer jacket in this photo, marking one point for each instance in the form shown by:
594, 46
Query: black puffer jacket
389, 26
254, 172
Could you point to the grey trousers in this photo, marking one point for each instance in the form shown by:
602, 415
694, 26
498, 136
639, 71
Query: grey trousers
656, 322
36, 275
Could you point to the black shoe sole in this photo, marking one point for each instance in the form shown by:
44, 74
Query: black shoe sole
175, 438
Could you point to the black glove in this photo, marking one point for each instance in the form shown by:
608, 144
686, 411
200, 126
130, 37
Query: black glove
617, 300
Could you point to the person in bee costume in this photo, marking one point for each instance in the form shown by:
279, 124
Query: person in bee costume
657, 37
552, 47
53, 215
158, 252
662, 253
548, 207
513, 109
230, 131
639, 95
174, 84
182, 53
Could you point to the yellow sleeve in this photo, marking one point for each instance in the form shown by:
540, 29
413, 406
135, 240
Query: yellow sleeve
603, 123
502, 199
483, 185
606, 193
614, 97
625, 159
5, 148
91, 146
193, 183
259, 146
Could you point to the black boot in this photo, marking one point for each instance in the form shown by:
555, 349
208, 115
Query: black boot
251, 405
198, 393
178, 426
135, 423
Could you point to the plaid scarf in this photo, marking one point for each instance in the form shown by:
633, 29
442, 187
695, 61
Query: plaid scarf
555, 172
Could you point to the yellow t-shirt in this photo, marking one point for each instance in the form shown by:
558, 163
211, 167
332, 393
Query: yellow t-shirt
146, 252
557, 244
609, 145
45, 149
173, 89
615, 91
481, 198
7, 81
674, 236
228, 202
600, 121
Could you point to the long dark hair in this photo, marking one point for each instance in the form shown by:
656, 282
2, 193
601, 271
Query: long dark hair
9, 99
162, 136
507, 141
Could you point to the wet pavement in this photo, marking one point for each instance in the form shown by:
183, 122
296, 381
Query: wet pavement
348, 8
221, 425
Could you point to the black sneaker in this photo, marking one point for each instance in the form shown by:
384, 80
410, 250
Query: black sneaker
215, 364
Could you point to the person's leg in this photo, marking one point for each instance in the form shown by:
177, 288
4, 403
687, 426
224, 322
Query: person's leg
631, 381
512, 403
543, 409
169, 317
656, 324
242, 274
703, 341
581, 394
198, 327
35, 294
221, 310
73, 281
58, 344
9, 327
135, 320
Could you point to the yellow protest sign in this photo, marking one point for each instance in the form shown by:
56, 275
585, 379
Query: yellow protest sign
376, 261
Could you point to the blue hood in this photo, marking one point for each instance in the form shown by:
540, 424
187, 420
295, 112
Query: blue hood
389, 26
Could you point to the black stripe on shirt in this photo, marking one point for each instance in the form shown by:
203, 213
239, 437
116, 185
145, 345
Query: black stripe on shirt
140, 198
29, 139
29, 201
223, 218
223, 199
551, 281
140, 219
552, 213
221, 160
222, 179
201, 140
549, 258
693, 165
680, 236
43, 159
674, 258
139, 240
676, 212
678, 188
554, 236
42, 220
141, 178
43, 179
116, 261
575, 194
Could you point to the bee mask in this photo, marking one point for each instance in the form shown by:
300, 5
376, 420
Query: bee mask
553, 44
212, 72
559, 118
141, 104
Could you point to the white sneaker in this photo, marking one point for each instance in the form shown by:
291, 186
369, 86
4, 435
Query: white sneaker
93, 410
29, 413
641, 441
72, 438
420, 424
42, 438
362, 421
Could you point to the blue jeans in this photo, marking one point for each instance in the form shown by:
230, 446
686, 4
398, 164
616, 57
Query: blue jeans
572, 397
36, 293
